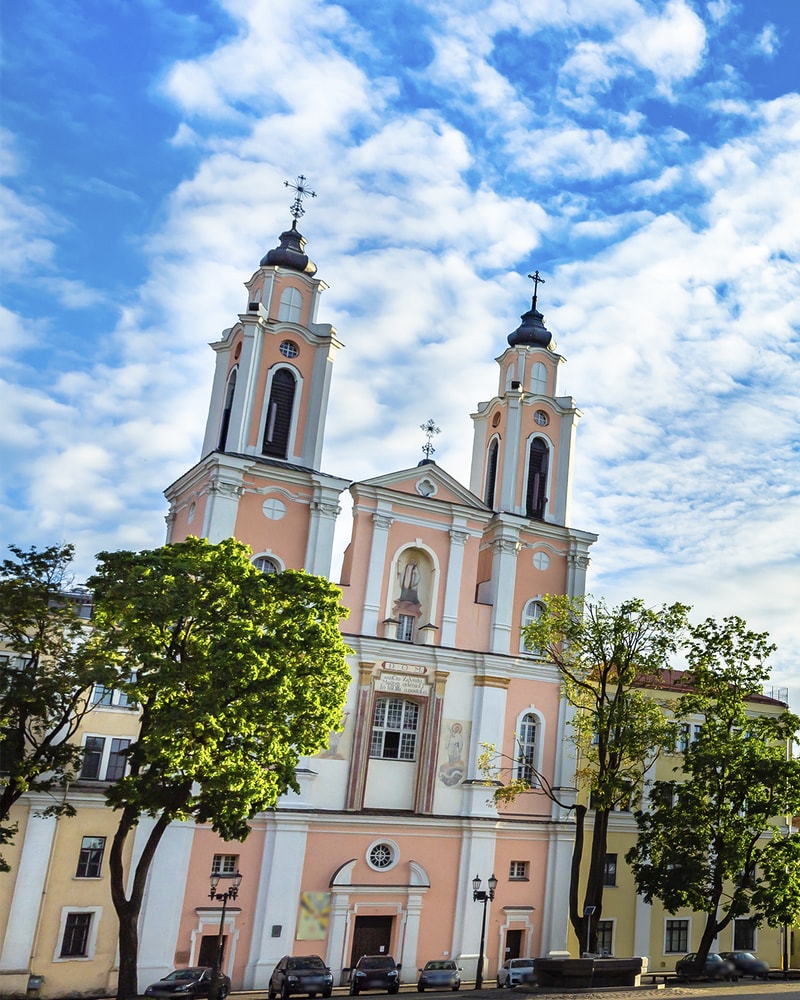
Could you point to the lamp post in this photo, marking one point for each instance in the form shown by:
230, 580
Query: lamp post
221, 897
481, 896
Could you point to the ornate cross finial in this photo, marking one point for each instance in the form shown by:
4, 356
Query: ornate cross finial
537, 280
300, 190
430, 429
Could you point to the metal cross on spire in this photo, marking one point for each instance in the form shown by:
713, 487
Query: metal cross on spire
537, 280
300, 189
430, 429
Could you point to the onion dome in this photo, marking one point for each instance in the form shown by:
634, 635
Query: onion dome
531, 331
290, 253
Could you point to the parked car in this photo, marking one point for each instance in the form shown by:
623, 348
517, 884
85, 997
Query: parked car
515, 971
715, 967
300, 974
441, 974
374, 972
193, 982
748, 964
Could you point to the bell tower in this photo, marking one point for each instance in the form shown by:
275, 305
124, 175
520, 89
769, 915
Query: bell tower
266, 420
523, 438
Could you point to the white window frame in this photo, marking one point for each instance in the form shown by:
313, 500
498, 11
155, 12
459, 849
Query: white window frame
527, 619
104, 757
225, 864
394, 852
402, 730
91, 941
290, 306
298, 392
115, 698
538, 743
688, 922
91, 836
539, 379
272, 558
613, 922
518, 871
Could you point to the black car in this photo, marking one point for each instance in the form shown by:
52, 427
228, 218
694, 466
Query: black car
374, 972
193, 982
714, 967
300, 974
748, 964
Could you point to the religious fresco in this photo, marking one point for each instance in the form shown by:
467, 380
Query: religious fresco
453, 748
339, 741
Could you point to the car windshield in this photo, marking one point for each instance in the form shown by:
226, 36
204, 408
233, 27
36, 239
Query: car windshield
310, 962
744, 954
186, 974
435, 966
378, 962
522, 962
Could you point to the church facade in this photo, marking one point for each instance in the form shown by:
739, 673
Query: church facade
394, 819
378, 851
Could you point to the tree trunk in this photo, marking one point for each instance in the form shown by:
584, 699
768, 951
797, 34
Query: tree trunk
709, 933
575, 916
128, 909
595, 881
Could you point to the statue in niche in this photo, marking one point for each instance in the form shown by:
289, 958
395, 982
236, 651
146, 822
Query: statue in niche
411, 586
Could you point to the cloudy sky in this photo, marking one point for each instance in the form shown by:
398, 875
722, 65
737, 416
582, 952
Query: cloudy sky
644, 155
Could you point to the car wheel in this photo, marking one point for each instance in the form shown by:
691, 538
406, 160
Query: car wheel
285, 994
394, 989
354, 991
326, 993
456, 986
420, 988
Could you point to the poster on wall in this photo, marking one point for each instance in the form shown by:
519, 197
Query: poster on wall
314, 916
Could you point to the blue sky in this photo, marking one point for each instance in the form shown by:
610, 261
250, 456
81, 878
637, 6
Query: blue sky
644, 155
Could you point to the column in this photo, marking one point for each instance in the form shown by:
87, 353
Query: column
277, 899
454, 582
30, 886
377, 561
159, 922
504, 578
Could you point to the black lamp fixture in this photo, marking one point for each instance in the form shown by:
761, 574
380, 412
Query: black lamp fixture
482, 896
233, 880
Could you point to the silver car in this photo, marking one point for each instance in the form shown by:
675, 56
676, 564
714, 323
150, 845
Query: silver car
515, 971
440, 974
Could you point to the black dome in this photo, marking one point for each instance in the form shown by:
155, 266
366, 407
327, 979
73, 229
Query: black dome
290, 253
531, 330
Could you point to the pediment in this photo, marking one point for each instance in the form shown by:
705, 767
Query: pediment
426, 482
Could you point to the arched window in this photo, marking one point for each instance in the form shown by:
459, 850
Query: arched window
539, 379
230, 389
525, 766
532, 612
266, 564
509, 377
491, 473
536, 493
290, 306
394, 729
279, 414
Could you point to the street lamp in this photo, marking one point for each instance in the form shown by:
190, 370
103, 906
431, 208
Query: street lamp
221, 897
480, 896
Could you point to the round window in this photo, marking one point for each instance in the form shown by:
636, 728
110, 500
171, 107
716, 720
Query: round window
541, 418
382, 855
496, 419
289, 349
238, 351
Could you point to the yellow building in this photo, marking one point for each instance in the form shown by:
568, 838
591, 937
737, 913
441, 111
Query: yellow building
629, 926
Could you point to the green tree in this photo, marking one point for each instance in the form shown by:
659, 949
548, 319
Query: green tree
716, 837
237, 675
44, 679
609, 661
